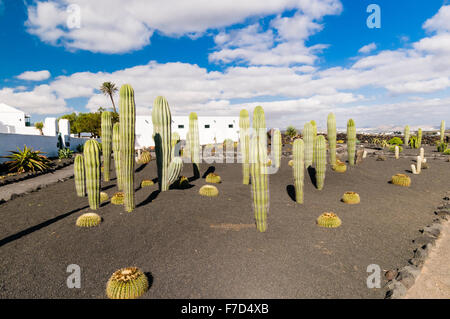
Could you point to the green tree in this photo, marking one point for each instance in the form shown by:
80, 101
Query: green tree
39, 126
109, 89
291, 131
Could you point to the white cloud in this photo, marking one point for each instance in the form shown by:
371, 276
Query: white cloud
34, 75
368, 48
440, 22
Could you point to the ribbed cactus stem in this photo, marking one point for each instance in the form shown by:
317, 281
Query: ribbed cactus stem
162, 127
331, 132
79, 175
314, 128
174, 169
442, 131
276, 147
187, 149
308, 139
174, 144
244, 141
419, 138
127, 119
320, 161
107, 128
116, 150
92, 169
299, 168
407, 134
397, 152
194, 139
258, 167
351, 142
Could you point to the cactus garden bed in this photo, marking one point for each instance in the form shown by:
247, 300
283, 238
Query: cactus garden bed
193, 246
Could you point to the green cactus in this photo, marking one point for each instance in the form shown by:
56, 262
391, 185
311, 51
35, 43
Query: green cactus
80, 184
127, 119
407, 134
276, 147
116, 150
442, 131
308, 138
127, 283
299, 168
88, 220
419, 138
258, 159
162, 126
174, 141
92, 168
107, 128
174, 170
414, 142
187, 149
331, 132
351, 142
208, 190
244, 141
194, 139
314, 128
320, 160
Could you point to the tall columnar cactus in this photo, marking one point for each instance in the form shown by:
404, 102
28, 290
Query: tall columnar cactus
276, 147
258, 167
299, 168
331, 132
351, 141
244, 141
127, 134
174, 141
116, 150
79, 175
174, 170
187, 149
419, 138
106, 143
162, 127
314, 128
308, 138
442, 131
194, 139
407, 134
92, 169
320, 160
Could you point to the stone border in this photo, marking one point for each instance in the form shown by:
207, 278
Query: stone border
400, 280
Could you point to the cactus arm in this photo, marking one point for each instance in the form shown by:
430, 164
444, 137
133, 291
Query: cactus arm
116, 150
194, 139
106, 128
276, 147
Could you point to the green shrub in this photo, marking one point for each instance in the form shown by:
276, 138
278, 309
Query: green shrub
395, 141
392, 148
441, 147
65, 153
80, 148
27, 160
291, 131
447, 151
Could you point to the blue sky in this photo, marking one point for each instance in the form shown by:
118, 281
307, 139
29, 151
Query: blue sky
298, 59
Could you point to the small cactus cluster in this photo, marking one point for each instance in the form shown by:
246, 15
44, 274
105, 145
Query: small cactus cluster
401, 180
351, 198
329, 220
118, 198
127, 283
208, 190
88, 220
213, 178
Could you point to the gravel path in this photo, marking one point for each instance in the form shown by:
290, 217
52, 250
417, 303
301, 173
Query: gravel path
30, 185
434, 280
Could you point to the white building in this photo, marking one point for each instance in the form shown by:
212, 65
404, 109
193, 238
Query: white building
13, 120
212, 129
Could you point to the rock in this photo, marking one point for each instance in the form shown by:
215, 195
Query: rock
407, 276
420, 255
390, 274
381, 158
424, 240
396, 290
433, 230
442, 212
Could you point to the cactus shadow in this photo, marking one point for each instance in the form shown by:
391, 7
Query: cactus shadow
141, 167
196, 173
312, 175
150, 279
290, 189
210, 169
150, 198
104, 188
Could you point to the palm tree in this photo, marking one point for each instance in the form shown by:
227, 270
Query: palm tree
109, 88
39, 126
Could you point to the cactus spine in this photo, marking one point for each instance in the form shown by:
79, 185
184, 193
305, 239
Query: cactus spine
331, 132
127, 118
407, 133
106, 127
162, 127
351, 142
258, 159
299, 169
308, 138
419, 138
116, 150
320, 160
442, 131
276, 147
92, 168
80, 185
244, 141
194, 139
